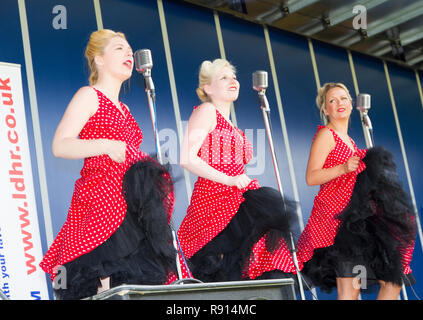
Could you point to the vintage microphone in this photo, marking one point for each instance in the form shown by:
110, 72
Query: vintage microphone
144, 64
260, 85
363, 106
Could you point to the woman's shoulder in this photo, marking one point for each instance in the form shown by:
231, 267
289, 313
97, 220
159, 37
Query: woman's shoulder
204, 116
85, 98
206, 108
206, 111
86, 92
323, 135
323, 131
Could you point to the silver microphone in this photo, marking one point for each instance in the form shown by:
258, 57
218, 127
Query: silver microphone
260, 80
143, 60
144, 64
363, 102
260, 85
363, 105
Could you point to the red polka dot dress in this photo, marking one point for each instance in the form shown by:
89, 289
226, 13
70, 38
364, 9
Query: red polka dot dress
332, 198
216, 207
98, 206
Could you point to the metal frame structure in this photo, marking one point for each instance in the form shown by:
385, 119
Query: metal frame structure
394, 31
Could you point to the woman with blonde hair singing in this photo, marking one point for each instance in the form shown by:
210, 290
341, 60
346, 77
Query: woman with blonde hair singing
234, 229
117, 226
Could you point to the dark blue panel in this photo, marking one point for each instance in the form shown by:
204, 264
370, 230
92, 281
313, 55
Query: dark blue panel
334, 66
11, 45
59, 70
371, 79
140, 22
246, 48
193, 39
298, 90
410, 115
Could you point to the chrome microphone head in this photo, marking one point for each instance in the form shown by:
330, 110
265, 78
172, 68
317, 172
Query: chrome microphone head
260, 80
363, 102
143, 60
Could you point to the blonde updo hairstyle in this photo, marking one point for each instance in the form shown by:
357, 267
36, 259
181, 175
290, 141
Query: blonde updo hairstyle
321, 98
95, 47
207, 70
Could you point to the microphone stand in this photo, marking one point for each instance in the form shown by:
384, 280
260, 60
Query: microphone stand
367, 127
264, 105
151, 97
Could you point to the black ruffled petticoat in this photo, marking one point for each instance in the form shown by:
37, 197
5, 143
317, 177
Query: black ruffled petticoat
226, 256
376, 227
140, 251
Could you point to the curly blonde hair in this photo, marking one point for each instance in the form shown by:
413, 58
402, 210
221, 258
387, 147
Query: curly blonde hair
207, 70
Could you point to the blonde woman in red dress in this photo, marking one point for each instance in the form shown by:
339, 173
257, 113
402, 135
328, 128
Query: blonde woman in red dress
356, 234
116, 230
234, 229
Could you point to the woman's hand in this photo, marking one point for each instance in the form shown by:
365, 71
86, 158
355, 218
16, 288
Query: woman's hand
351, 164
240, 181
115, 149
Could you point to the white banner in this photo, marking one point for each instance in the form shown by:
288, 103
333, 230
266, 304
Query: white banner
20, 243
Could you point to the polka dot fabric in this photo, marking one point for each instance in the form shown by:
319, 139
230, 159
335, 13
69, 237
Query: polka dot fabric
262, 260
332, 198
214, 204
98, 207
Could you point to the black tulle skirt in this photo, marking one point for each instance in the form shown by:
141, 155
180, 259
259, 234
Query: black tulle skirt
227, 255
376, 228
140, 251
